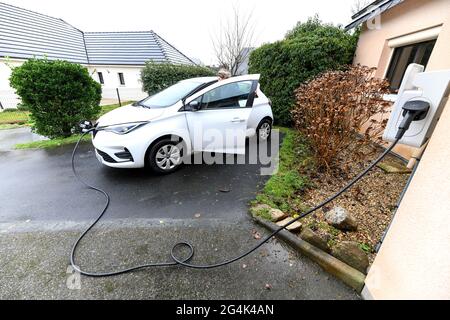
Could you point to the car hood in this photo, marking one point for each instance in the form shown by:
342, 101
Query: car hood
128, 114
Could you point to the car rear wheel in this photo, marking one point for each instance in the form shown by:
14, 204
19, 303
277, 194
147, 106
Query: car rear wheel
165, 156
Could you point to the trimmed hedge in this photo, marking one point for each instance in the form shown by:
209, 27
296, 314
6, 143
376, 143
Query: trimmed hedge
308, 49
59, 95
158, 76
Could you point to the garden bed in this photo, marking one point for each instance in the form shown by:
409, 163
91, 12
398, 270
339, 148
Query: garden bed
372, 201
298, 186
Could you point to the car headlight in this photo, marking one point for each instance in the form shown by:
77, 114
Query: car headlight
124, 128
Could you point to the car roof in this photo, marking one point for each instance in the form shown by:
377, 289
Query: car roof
202, 79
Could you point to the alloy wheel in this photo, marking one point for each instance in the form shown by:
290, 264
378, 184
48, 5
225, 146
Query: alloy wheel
168, 157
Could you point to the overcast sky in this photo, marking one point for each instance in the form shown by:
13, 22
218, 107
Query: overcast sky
189, 24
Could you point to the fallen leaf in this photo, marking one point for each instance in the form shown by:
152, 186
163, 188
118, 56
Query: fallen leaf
256, 235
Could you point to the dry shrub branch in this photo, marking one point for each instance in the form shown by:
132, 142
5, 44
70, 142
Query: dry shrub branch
336, 105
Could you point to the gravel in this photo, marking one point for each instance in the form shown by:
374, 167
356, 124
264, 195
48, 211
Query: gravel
371, 202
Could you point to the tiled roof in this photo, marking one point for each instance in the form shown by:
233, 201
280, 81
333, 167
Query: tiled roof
370, 11
134, 48
27, 34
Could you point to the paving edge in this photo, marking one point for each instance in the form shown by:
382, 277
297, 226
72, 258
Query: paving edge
348, 275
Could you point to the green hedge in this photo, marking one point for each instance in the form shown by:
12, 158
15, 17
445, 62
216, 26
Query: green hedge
158, 76
59, 95
309, 49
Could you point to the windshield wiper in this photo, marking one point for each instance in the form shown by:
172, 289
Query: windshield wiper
140, 104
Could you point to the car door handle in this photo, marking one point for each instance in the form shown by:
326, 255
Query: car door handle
237, 120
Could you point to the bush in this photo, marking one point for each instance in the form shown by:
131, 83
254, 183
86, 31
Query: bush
309, 49
23, 107
336, 105
59, 95
158, 76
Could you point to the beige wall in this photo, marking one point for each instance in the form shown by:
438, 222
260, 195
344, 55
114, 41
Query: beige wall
408, 18
414, 260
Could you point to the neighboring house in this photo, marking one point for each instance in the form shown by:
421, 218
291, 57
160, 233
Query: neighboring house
243, 67
414, 259
115, 59
407, 31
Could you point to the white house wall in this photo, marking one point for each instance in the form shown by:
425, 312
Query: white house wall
132, 90
8, 98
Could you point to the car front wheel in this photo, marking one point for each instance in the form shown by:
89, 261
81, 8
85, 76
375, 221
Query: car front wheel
264, 130
165, 156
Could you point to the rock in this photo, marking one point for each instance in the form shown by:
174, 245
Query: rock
277, 214
313, 238
341, 219
350, 253
265, 211
296, 226
393, 167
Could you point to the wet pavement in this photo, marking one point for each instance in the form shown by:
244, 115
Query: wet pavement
10, 137
43, 209
44, 183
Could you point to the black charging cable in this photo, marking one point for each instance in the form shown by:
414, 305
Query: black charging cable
410, 115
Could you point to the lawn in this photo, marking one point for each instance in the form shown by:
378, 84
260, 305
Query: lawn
14, 117
111, 107
281, 189
53, 143
21, 117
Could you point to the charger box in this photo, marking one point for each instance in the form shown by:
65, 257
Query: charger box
432, 87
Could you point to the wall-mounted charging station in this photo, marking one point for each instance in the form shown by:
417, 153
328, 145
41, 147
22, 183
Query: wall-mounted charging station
419, 87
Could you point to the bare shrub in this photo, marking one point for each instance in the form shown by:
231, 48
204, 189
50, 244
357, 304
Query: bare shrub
336, 105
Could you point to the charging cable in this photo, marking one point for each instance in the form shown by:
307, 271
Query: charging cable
412, 111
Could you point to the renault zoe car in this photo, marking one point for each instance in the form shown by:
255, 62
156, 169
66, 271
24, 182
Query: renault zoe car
194, 115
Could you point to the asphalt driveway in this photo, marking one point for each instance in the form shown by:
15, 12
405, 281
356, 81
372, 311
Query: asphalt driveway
44, 182
43, 209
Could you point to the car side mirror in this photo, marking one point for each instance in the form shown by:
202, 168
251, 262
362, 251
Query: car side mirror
193, 106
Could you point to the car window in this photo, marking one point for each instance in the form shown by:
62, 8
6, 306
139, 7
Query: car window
171, 95
231, 95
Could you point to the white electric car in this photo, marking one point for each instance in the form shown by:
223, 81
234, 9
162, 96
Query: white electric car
194, 115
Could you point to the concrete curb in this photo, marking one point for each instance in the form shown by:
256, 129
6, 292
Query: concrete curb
348, 275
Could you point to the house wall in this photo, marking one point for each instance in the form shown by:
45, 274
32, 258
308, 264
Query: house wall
132, 90
414, 259
8, 98
409, 22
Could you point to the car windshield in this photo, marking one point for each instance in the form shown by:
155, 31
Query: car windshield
171, 95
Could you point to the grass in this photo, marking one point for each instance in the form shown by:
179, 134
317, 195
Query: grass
110, 107
58, 142
14, 117
52, 143
11, 126
282, 188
